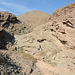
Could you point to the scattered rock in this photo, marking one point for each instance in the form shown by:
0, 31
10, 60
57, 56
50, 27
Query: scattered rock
7, 66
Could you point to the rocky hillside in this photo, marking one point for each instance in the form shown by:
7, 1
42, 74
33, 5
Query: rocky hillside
48, 48
12, 25
34, 18
66, 11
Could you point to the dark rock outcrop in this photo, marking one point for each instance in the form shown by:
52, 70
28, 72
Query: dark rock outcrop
12, 25
8, 67
6, 18
5, 38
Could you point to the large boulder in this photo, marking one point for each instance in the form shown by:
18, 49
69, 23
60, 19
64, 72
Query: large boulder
6, 18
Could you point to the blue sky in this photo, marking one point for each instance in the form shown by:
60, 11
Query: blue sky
19, 7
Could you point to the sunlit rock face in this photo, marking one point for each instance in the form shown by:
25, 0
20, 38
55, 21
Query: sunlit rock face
48, 38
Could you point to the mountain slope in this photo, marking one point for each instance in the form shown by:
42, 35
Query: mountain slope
34, 18
51, 42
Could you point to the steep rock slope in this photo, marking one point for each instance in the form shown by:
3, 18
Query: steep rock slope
64, 24
9, 26
66, 11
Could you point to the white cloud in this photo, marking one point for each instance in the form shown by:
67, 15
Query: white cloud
15, 7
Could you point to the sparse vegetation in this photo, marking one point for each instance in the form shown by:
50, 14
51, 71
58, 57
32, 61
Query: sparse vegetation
26, 55
51, 63
20, 49
29, 57
42, 53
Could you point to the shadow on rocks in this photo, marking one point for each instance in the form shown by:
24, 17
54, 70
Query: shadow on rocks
8, 66
5, 38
